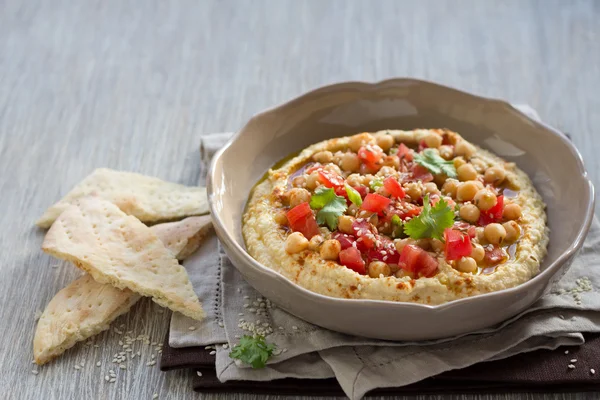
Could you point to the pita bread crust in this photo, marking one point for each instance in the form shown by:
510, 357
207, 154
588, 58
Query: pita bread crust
147, 198
118, 249
85, 307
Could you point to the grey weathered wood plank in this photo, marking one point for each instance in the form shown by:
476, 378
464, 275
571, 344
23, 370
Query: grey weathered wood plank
133, 85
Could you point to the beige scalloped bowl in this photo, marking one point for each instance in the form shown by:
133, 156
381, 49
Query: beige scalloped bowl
554, 165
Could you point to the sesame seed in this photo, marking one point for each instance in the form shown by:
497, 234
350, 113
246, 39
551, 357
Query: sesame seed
35, 372
212, 353
574, 360
225, 346
77, 367
99, 363
122, 366
592, 371
112, 380
155, 396
221, 324
198, 373
207, 347
240, 314
192, 328
107, 378
571, 366
295, 327
246, 305
566, 351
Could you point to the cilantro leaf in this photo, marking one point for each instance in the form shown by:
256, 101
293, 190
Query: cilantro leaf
253, 350
431, 160
331, 206
321, 197
431, 222
376, 184
353, 195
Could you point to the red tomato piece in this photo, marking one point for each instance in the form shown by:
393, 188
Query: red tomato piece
416, 260
351, 258
386, 251
422, 145
494, 256
375, 203
370, 154
393, 187
364, 233
302, 219
404, 152
330, 180
344, 239
420, 173
362, 190
494, 214
409, 210
457, 244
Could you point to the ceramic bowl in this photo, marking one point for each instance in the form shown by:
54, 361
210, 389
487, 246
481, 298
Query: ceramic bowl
554, 165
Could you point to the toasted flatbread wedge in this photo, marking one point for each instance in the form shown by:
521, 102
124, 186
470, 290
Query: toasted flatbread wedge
185, 236
147, 198
120, 250
86, 307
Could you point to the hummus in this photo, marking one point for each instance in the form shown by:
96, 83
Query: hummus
411, 216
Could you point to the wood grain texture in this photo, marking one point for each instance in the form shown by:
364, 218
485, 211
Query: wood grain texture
133, 85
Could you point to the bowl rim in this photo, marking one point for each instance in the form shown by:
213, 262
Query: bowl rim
546, 274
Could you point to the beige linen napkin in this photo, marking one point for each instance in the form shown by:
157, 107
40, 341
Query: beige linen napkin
359, 364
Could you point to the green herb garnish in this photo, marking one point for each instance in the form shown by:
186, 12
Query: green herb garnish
431, 160
376, 184
431, 222
331, 206
353, 195
253, 350
396, 226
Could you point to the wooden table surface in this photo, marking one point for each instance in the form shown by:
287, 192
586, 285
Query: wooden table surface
133, 85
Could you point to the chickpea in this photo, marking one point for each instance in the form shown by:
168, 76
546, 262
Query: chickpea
449, 187
494, 233
512, 211
400, 243
374, 219
480, 234
359, 140
345, 224
394, 268
386, 171
315, 242
479, 165
330, 249
323, 157
446, 152
281, 218
485, 199
391, 161
439, 179
458, 162
477, 253
377, 268
430, 188
466, 172
437, 245
385, 142
353, 209
513, 231
469, 212
350, 162
479, 184
425, 243
298, 196
354, 180
295, 243
313, 181
466, 191
464, 148
401, 273
299, 181
413, 189
466, 264
332, 168
366, 179
433, 140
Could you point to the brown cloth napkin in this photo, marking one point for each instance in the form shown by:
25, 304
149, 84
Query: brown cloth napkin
537, 371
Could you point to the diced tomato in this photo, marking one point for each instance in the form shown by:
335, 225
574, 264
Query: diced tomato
457, 244
352, 259
386, 251
365, 234
416, 260
420, 173
404, 152
422, 145
375, 203
409, 210
370, 154
494, 256
344, 239
393, 187
341, 191
302, 219
494, 214
330, 179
